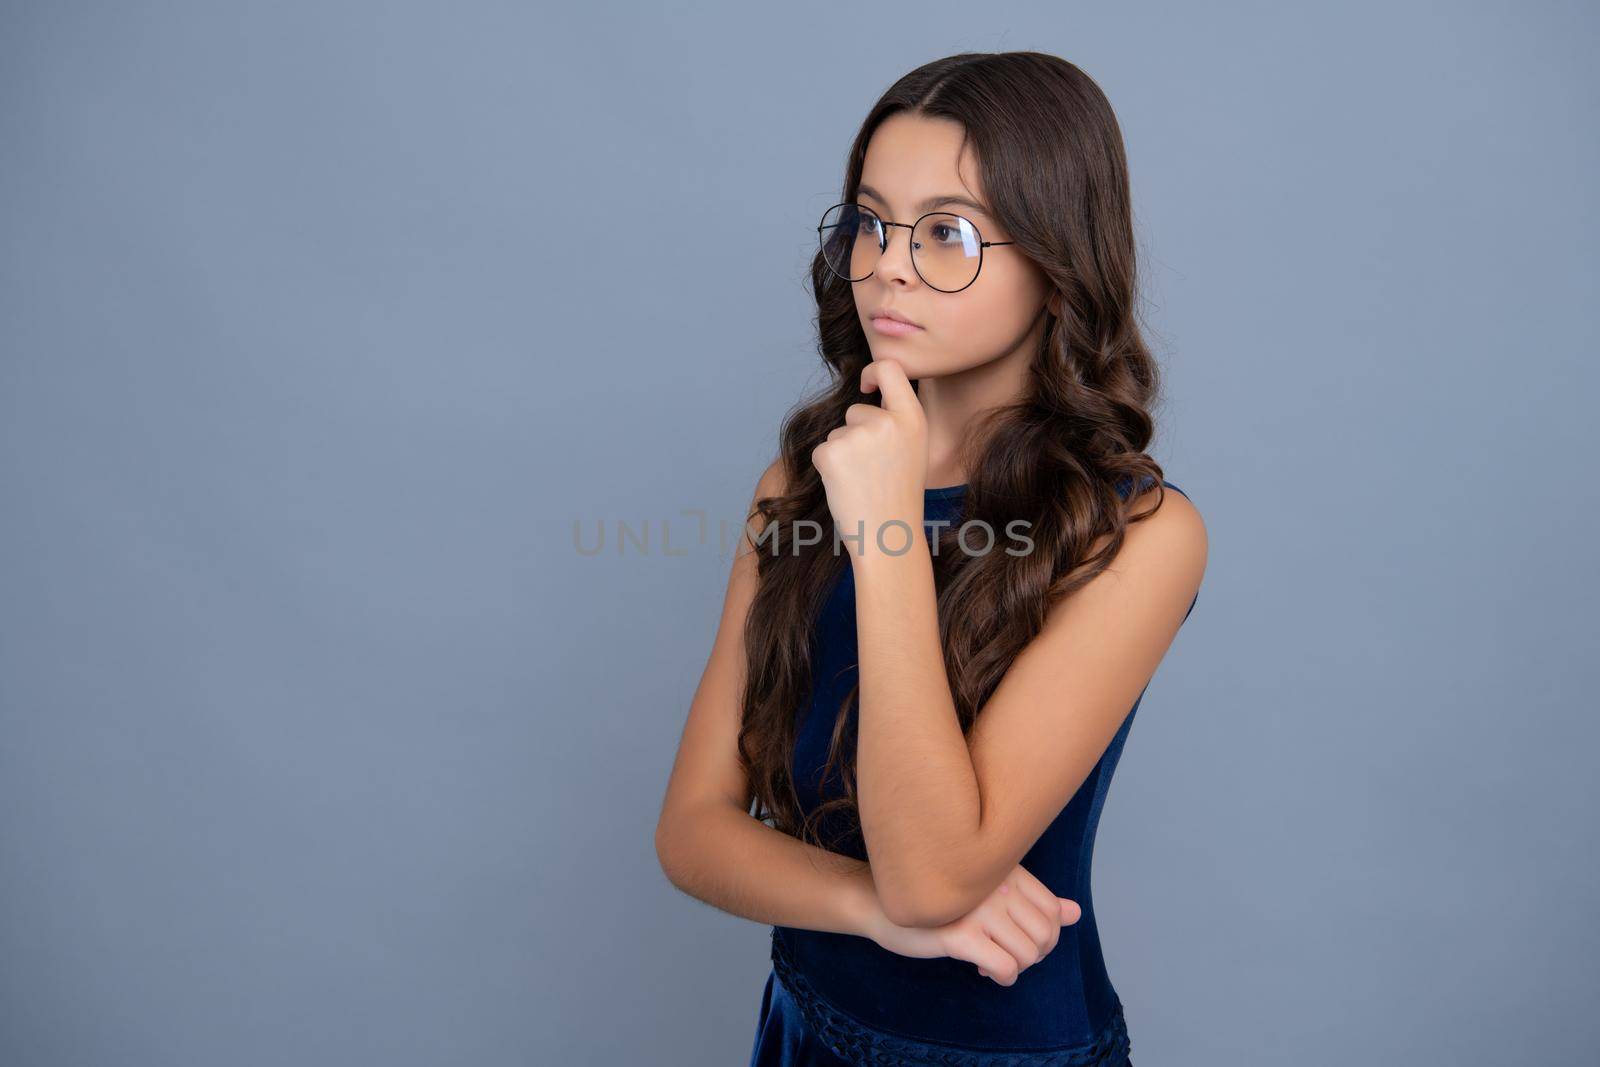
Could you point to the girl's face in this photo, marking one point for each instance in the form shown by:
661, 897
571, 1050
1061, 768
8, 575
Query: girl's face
914, 165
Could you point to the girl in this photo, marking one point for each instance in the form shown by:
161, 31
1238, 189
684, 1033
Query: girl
950, 598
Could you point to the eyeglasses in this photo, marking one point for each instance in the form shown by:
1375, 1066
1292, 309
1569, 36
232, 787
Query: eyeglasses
946, 249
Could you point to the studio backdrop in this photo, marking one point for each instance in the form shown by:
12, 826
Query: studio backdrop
332, 333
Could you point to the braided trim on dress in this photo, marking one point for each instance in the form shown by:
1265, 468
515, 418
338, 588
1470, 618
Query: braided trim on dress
864, 1046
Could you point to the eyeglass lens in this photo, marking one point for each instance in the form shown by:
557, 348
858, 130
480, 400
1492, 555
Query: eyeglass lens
946, 249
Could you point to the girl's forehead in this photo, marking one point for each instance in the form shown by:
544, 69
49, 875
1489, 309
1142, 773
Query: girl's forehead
921, 165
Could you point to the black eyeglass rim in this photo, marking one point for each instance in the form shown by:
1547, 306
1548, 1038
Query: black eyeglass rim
883, 244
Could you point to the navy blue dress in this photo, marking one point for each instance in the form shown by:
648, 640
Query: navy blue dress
836, 1000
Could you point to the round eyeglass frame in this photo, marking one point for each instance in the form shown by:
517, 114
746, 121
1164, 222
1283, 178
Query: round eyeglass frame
883, 243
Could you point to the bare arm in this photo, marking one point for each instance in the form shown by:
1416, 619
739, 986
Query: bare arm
708, 844
945, 817
726, 858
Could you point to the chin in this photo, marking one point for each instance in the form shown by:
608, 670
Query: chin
910, 362
916, 366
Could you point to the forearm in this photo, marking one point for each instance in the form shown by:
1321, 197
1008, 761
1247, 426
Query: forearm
916, 785
740, 865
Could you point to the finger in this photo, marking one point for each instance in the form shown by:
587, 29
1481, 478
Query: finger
1039, 895
1014, 939
856, 414
889, 377
995, 962
1070, 912
1037, 923
1047, 908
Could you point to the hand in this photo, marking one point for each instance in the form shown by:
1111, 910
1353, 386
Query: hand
874, 466
1015, 927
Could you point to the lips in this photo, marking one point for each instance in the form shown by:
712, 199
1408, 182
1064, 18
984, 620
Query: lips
893, 316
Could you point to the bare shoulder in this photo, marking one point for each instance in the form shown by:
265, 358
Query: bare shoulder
772, 483
1174, 527
1164, 541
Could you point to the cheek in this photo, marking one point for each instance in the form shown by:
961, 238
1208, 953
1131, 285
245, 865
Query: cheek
990, 322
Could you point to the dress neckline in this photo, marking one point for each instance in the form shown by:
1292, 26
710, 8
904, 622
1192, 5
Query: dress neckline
945, 491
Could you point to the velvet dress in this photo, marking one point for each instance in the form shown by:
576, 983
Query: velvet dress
838, 999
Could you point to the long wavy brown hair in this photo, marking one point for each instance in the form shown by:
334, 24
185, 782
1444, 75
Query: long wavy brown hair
1054, 170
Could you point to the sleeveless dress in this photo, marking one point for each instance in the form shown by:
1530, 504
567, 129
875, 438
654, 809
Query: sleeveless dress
839, 1000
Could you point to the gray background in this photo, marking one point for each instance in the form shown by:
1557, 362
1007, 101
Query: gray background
320, 742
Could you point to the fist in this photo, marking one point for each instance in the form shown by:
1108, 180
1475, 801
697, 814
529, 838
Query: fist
874, 466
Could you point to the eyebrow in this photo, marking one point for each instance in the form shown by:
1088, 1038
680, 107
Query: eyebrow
928, 204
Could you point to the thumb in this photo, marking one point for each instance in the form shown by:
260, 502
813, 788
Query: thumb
1070, 912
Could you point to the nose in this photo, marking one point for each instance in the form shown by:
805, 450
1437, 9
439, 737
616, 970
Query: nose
894, 262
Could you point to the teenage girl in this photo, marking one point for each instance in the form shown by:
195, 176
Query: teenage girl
956, 581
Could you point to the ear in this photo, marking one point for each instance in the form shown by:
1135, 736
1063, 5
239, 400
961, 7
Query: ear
1054, 303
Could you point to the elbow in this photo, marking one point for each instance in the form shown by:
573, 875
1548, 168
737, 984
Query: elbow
667, 855
682, 836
